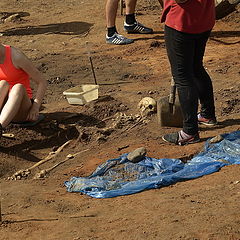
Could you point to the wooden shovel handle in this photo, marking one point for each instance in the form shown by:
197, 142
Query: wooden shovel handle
172, 95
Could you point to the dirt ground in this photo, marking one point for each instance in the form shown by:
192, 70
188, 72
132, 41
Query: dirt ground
53, 34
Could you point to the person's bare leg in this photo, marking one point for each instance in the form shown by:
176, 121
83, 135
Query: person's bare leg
112, 34
131, 25
111, 12
4, 88
130, 6
17, 106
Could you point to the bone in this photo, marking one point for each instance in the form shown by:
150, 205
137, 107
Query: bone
8, 135
25, 173
51, 155
147, 106
43, 173
142, 120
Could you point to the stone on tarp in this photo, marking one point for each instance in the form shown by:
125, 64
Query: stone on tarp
137, 155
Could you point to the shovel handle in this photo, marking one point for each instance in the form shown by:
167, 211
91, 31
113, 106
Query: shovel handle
172, 95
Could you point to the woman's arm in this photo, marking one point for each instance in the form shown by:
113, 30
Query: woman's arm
22, 62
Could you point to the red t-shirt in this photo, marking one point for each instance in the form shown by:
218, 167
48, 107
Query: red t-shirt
13, 75
193, 16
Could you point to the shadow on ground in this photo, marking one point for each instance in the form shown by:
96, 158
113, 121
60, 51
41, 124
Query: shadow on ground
68, 28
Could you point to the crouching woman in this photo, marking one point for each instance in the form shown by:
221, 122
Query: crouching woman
16, 97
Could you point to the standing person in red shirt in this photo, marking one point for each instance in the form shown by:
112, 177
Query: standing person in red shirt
188, 24
16, 99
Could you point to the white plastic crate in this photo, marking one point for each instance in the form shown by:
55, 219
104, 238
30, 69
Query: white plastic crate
82, 94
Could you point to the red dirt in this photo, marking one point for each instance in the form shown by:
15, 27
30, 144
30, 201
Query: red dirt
53, 34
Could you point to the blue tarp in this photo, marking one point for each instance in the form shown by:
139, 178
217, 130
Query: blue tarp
119, 176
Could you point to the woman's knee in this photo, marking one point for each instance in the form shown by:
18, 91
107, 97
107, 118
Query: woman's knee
4, 85
17, 89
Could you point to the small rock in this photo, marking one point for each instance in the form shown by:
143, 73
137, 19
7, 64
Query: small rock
70, 156
155, 44
121, 148
216, 139
137, 155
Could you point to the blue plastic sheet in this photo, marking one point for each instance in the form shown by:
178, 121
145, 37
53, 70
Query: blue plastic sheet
117, 177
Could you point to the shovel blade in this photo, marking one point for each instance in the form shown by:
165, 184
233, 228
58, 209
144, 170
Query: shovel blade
169, 115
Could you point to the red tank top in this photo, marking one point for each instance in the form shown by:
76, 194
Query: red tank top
193, 16
13, 75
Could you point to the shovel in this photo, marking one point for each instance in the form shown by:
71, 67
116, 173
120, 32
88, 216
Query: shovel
168, 109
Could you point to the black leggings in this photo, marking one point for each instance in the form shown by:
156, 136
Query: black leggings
185, 52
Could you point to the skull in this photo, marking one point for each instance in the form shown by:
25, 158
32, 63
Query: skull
147, 106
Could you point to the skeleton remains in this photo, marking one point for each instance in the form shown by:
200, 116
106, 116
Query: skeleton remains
147, 106
24, 173
43, 173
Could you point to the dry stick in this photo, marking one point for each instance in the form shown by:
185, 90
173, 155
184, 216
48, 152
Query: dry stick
43, 172
91, 63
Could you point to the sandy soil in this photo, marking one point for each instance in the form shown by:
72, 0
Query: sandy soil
54, 34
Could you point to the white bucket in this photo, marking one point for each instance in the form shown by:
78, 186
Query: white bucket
82, 94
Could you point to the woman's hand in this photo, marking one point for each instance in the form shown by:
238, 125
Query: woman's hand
33, 112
